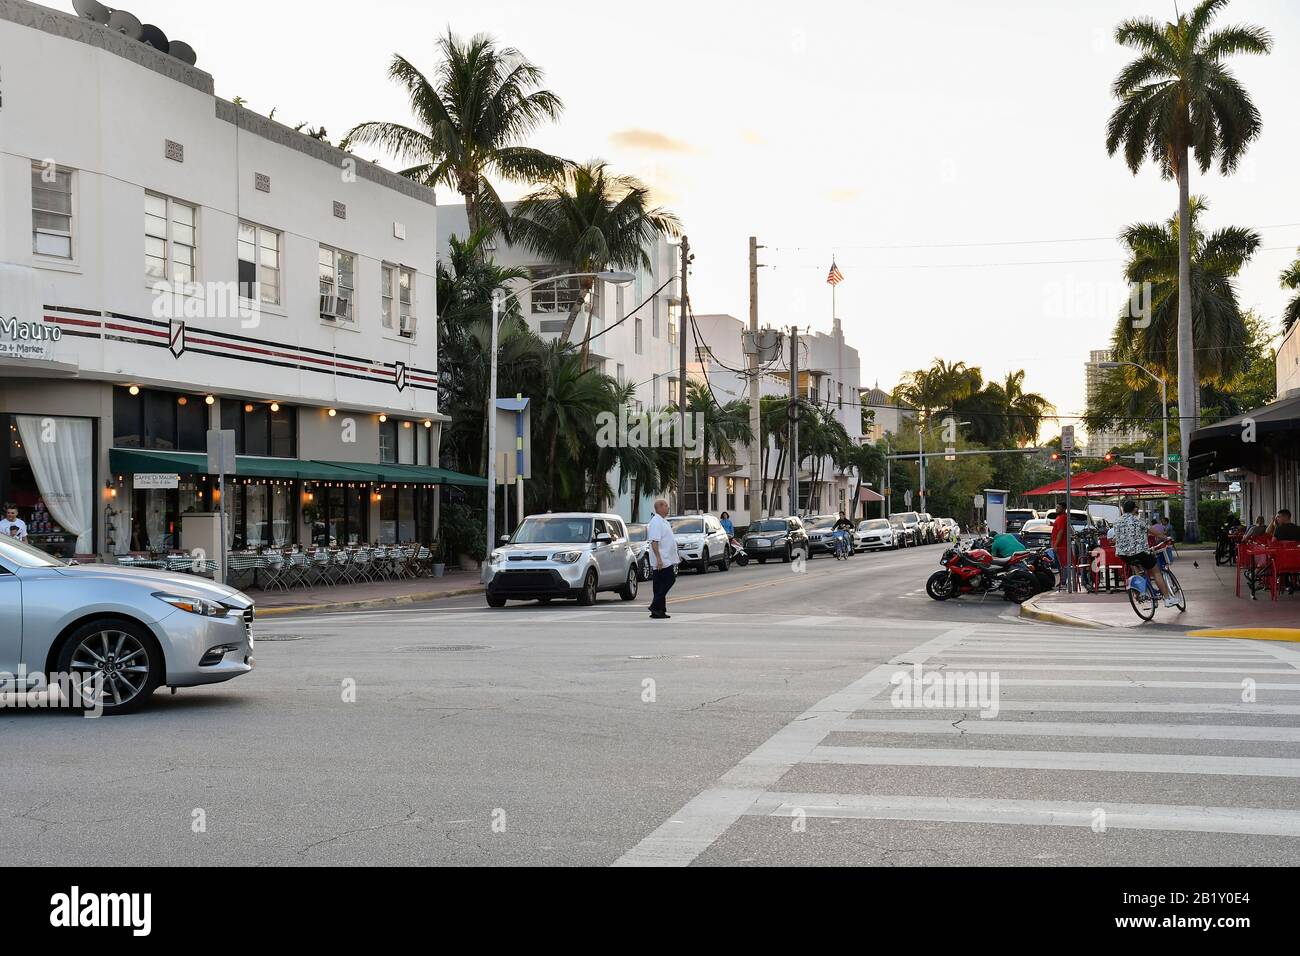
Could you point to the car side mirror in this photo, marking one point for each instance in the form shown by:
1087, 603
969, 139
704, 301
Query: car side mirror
604, 539
505, 539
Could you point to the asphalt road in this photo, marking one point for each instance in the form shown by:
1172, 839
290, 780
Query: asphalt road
755, 727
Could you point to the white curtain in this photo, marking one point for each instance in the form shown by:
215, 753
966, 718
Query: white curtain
61, 454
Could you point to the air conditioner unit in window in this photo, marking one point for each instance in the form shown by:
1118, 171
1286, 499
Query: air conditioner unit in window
406, 326
334, 307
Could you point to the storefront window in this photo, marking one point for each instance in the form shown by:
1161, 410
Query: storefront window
47, 471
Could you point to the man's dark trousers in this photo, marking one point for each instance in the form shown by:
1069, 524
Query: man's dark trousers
662, 580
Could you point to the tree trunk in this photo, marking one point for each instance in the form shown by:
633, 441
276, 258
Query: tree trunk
635, 511
550, 471
1187, 384
573, 317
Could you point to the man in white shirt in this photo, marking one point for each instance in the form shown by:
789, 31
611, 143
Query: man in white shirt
663, 558
13, 526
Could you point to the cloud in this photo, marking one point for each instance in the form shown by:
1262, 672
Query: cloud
751, 138
650, 141
845, 194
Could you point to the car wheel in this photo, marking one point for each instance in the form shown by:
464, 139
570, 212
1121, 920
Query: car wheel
123, 655
494, 601
703, 566
761, 560
725, 563
785, 558
628, 591
587, 596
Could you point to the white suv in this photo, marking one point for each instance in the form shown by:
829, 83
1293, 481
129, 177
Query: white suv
701, 542
575, 555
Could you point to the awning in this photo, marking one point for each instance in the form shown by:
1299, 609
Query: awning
130, 461
1224, 445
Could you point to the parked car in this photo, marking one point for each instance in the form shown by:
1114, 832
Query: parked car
952, 530
911, 522
1036, 533
902, 537
572, 555
639, 542
701, 542
118, 632
1016, 518
874, 534
778, 539
929, 529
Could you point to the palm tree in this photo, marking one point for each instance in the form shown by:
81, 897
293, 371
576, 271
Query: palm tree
721, 427
567, 401
865, 460
471, 119
591, 220
1025, 410
1218, 324
1291, 280
1178, 100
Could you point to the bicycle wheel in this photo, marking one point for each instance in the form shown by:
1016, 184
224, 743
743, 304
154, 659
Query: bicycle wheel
1143, 601
1177, 590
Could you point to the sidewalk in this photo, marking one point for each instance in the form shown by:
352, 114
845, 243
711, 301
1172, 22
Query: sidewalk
1211, 604
379, 594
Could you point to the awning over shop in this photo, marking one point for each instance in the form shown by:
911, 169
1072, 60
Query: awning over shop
1246, 441
130, 461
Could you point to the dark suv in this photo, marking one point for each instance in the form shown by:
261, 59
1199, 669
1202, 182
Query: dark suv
1016, 518
777, 538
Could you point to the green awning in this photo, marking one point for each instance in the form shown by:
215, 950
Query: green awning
130, 461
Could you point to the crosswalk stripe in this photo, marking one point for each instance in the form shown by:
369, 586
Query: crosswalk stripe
1125, 707
1135, 668
1119, 816
1053, 760
1028, 728
1141, 682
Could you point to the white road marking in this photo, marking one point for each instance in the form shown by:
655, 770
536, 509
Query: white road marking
1158, 668
695, 827
1123, 707
1141, 682
1119, 816
1030, 728
1054, 760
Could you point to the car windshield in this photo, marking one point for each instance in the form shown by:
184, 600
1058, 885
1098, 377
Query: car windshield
772, 524
636, 532
687, 526
818, 524
907, 517
553, 531
1024, 514
25, 556
876, 524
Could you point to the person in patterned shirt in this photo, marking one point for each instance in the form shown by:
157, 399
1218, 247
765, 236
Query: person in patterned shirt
1131, 545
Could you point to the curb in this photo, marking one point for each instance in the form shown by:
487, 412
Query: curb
1031, 610
263, 613
1251, 633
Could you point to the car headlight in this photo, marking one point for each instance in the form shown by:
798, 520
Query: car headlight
566, 557
496, 558
193, 605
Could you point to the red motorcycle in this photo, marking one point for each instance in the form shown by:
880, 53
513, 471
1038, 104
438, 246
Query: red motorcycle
976, 571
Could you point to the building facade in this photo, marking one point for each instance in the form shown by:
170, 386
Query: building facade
1102, 441
172, 263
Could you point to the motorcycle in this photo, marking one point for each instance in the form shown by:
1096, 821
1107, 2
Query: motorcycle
738, 554
976, 571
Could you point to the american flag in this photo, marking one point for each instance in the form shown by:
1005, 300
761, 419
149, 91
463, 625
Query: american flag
835, 277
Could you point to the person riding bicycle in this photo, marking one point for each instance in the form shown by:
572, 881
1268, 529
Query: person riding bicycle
841, 531
1131, 544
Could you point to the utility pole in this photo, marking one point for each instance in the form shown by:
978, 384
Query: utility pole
792, 418
755, 446
683, 316
921, 447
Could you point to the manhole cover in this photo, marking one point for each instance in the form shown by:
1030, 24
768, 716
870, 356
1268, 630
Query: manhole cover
259, 638
445, 647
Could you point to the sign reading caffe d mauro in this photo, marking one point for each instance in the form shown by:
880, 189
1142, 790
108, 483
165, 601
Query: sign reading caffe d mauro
27, 340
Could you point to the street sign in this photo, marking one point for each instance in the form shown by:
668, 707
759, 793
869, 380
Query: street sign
1067, 438
979, 501
1175, 459
221, 451
950, 454
1139, 457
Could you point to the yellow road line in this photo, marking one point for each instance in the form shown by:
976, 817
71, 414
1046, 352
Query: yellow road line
1252, 633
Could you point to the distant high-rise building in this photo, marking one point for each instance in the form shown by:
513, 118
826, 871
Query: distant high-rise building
1102, 441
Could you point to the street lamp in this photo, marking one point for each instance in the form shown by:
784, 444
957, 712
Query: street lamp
1164, 408
498, 301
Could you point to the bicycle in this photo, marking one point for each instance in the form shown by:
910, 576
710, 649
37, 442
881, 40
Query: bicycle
1143, 593
841, 545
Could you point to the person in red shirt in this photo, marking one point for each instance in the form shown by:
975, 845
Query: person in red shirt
1061, 539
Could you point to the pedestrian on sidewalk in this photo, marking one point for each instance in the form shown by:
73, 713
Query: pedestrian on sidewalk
1061, 544
663, 553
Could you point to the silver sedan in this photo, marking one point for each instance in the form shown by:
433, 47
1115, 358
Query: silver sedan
115, 634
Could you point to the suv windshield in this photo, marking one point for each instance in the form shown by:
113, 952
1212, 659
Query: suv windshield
770, 525
553, 531
875, 524
25, 556
817, 524
907, 517
687, 526
636, 532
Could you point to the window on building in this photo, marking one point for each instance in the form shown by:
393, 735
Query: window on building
674, 312
406, 302
654, 317
557, 296
259, 263
731, 494
51, 211
746, 486
170, 240
672, 391
638, 332
388, 283
260, 429
619, 373
165, 421
338, 282
406, 444
388, 442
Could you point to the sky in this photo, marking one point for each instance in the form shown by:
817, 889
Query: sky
949, 155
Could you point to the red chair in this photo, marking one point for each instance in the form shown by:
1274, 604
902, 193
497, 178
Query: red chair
1285, 560
1252, 561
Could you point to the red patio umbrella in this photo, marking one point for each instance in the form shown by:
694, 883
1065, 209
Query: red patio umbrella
1120, 480
1058, 487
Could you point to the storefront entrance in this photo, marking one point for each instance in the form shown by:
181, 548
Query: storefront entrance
47, 471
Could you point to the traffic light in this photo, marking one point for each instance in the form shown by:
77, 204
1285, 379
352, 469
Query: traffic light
1108, 456
1056, 456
